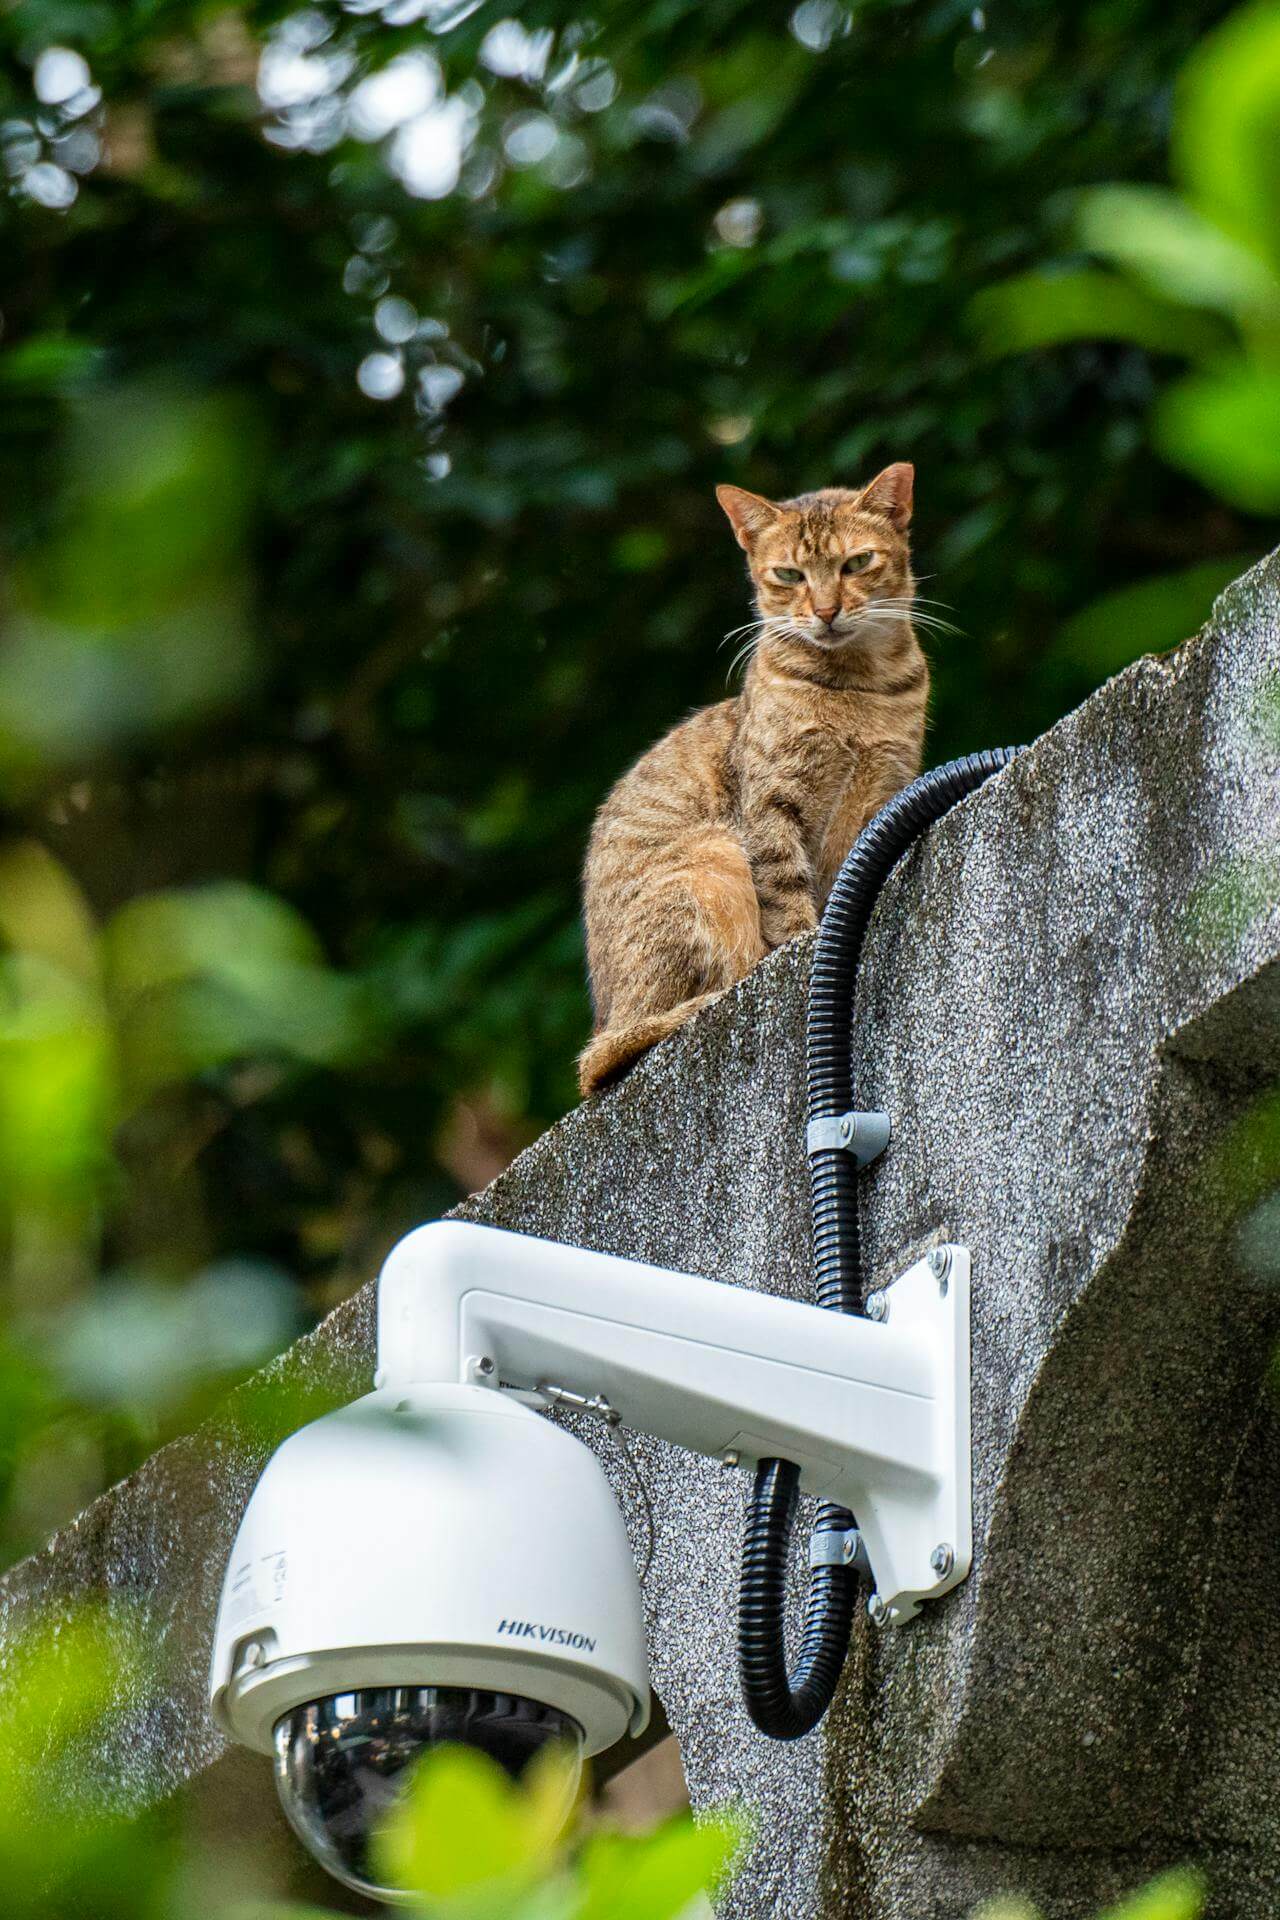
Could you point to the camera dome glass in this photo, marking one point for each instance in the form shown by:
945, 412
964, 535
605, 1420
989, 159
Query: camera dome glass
343, 1761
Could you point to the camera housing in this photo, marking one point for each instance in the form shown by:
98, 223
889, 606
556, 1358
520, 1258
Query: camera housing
440, 1542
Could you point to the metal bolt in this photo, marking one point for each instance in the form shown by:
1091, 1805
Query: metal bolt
942, 1559
254, 1655
940, 1262
846, 1129
485, 1364
877, 1306
877, 1612
731, 1457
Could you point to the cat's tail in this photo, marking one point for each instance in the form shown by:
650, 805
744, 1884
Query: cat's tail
608, 1055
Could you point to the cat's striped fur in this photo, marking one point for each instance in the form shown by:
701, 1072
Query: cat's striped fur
723, 840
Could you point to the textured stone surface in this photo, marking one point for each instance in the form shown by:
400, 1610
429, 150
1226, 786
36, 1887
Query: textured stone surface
1065, 1041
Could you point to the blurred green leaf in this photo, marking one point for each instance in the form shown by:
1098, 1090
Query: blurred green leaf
65, 1843
468, 1839
57, 1089
1179, 1895
227, 931
44, 913
130, 615
1147, 618
221, 973
1044, 309
1175, 251
275, 1910
1226, 138
50, 363
140, 1343
656, 1876
1224, 427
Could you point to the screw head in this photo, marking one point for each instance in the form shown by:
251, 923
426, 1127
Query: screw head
845, 1130
254, 1656
877, 1612
940, 1262
942, 1559
485, 1364
731, 1457
877, 1306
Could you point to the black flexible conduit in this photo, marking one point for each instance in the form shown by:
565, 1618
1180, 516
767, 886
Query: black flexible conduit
782, 1704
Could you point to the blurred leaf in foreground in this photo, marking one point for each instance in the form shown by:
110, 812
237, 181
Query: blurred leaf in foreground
1178, 1895
1223, 426
656, 1876
469, 1840
65, 1845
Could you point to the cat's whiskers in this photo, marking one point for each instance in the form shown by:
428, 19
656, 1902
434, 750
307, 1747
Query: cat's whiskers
905, 607
876, 618
748, 626
768, 626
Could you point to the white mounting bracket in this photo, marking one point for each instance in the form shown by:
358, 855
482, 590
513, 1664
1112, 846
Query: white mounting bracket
874, 1411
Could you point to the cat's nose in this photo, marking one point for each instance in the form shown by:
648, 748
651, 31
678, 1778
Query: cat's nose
826, 613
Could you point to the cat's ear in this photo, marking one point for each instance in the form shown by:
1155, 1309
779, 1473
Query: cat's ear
749, 513
890, 494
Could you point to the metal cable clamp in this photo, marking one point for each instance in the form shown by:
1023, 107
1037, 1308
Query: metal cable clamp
864, 1135
840, 1547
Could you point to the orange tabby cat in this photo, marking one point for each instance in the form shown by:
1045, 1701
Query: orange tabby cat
724, 839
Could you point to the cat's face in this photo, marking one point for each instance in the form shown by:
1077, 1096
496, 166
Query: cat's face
830, 568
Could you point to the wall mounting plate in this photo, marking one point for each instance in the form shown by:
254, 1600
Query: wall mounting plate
925, 1528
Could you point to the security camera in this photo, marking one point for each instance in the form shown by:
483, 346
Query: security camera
433, 1563
439, 1562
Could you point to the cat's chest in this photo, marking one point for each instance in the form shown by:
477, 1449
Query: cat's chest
813, 750
827, 757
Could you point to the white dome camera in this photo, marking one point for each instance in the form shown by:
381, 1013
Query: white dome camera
433, 1563
438, 1562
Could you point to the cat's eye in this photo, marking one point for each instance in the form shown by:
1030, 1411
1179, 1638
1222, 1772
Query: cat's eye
789, 576
857, 561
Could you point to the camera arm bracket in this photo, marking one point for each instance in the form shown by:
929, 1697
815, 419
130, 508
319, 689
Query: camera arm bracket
875, 1413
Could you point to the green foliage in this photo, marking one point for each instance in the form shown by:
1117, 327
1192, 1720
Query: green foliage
1211, 248
1179, 1895
130, 615
1102, 634
63, 1847
469, 1844
469, 1841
